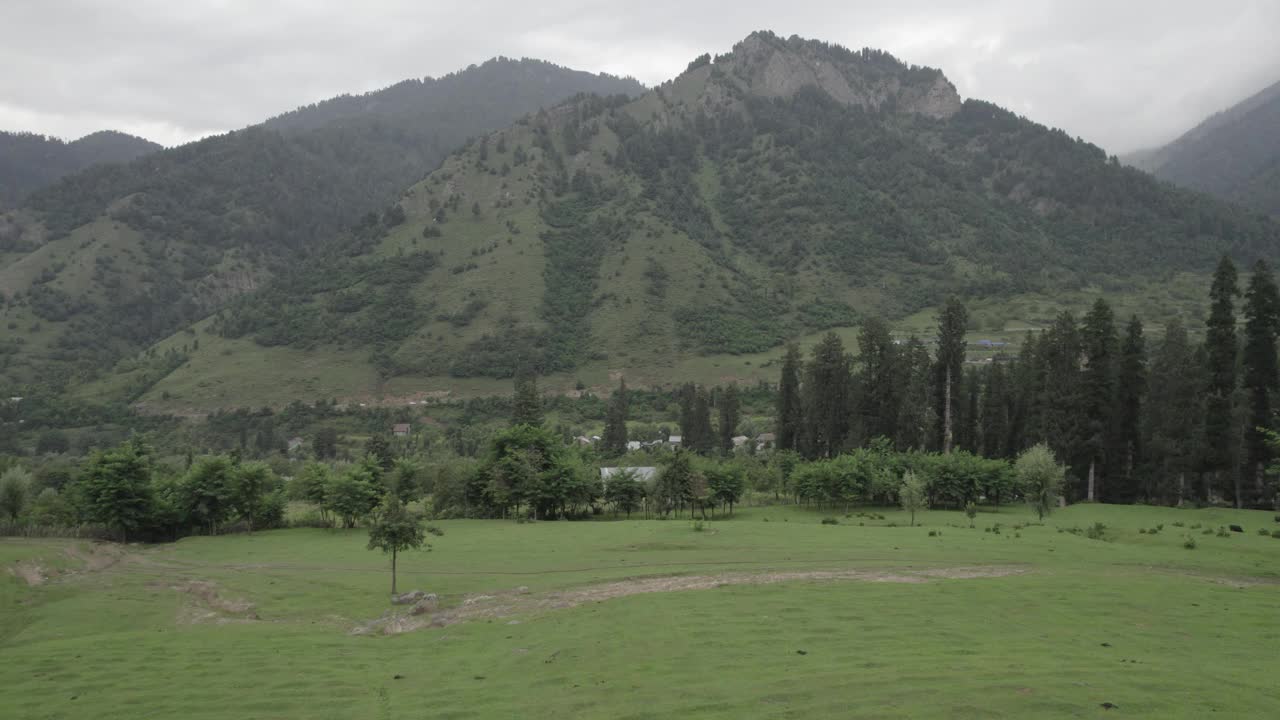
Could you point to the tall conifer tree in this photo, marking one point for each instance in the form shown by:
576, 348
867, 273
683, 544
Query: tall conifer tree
952, 325
1131, 387
1099, 336
1261, 378
1220, 351
790, 415
615, 423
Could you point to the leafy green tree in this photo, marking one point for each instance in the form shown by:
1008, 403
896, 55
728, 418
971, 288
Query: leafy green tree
703, 436
1040, 477
405, 480
325, 443
726, 483
527, 404
250, 487
913, 494
379, 447
1221, 351
116, 488
952, 325
1261, 374
205, 495
675, 482
48, 509
729, 408
352, 494
790, 414
624, 492
1098, 385
615, 422
395, 529
52, 442
15, 489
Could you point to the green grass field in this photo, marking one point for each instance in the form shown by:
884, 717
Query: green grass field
1027, 622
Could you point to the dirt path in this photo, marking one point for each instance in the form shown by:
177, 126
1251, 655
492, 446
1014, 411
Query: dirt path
521, 602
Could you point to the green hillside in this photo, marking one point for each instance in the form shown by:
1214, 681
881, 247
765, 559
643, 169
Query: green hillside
782, 189
108, 261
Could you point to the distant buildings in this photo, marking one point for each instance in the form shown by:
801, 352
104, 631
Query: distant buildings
400, 429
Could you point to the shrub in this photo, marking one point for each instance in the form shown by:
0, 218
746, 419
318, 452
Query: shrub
1177, 524
435, 530
1097, 531
1275, 534
1264, 532
1189, 543
698, 526
934, 533
830, 521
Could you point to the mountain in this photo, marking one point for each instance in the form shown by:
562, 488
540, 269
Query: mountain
1234, 154
29, 161
109, 260
783, 188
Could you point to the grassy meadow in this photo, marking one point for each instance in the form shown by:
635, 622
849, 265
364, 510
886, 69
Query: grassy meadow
869, 618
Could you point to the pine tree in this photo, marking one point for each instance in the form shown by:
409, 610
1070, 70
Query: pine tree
688, 421
615, 423
949, 364
879, 391
1099, 339
1220, 350
913, 374
1060, 403
993, 409
729, 407
1131, 387
790, 413
826, 417
527, 404
1261, 377
704, 438
1172, 440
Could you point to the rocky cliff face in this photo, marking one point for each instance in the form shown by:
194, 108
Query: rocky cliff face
769, 66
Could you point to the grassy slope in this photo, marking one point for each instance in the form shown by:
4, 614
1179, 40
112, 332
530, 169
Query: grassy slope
1186, 637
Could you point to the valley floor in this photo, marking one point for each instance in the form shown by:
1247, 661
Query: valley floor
767, 614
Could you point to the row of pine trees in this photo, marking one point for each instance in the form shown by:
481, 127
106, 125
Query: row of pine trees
1176, 421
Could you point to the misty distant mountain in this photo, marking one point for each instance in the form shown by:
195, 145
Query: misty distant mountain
1235, 154
29, 161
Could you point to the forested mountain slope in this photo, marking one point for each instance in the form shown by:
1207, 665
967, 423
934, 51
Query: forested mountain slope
785, 187
29, 161
1235, 154
109, 260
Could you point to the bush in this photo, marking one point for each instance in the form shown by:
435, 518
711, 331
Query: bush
1264, 532
1097, 531
830, 521
434, 530
1275, 534
1189, 543
698, 526
934, 533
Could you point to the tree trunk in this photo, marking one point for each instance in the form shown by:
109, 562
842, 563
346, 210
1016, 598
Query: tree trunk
393, 571
1239, 490
946, 415
1182, 485
1092, 466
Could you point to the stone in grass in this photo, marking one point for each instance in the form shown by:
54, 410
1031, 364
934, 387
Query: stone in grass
428, 603
408, 598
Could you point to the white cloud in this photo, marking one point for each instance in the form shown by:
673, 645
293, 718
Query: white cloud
1123, 75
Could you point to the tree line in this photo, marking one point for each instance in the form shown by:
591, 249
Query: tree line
1175, 422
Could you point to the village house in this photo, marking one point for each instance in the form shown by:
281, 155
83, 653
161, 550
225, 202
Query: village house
400, 429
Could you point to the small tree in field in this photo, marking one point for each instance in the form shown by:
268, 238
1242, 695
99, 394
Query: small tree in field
395, 529
1040, 477
912, 494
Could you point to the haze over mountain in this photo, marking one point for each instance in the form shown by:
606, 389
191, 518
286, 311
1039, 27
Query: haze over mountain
1235, 154
786, 187
29, 161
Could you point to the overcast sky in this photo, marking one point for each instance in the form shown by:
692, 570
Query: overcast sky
1124, 74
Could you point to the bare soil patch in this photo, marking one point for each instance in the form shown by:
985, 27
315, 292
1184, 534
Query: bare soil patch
29, 572
208, 605
505, 604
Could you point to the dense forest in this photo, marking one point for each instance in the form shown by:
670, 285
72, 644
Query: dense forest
29, 161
